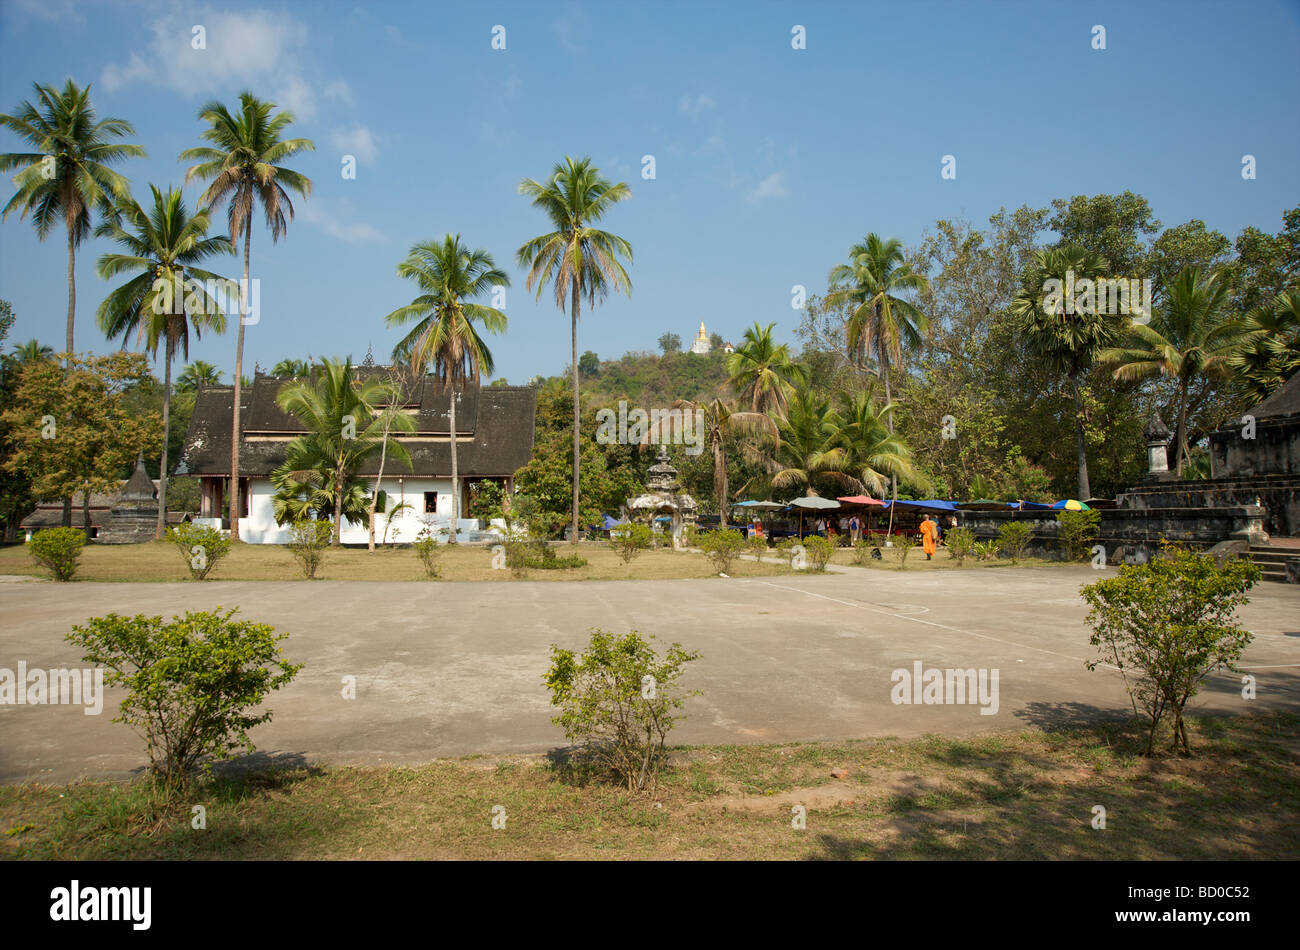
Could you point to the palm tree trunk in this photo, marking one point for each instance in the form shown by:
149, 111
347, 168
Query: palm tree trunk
1180, 429
161, 531
893, 479
72, 313
720, 476
1085, 490
236, 505
338, 502
577, 412
455, 473
374, 496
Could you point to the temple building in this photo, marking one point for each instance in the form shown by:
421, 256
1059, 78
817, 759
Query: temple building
494, 438
701, 345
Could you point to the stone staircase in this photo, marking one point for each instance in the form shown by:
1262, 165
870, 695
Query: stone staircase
1272, 558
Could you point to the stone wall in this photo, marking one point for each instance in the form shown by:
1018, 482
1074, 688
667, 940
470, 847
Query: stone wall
1274, 449
1278, 494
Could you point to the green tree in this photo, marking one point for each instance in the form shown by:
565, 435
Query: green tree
72, 428
1112, 227
196, 374
874, 454
164, 299
1268, 353
576, 258
339, 412
68, 174
30, 352
243, 168
809, 454
1068, 342
589, 364
445, 336
670, 343
761, 371
1190, 338
291, 368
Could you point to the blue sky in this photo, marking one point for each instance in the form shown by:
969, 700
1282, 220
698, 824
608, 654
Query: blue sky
770, 161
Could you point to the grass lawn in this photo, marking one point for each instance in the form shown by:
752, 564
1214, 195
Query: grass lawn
1016, 796
161, 561
891, 560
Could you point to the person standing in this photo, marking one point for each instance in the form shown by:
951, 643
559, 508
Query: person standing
929, 535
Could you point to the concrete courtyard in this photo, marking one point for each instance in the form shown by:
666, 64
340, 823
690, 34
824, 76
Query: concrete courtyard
447, 669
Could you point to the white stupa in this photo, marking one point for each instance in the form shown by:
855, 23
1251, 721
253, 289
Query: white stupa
701, 344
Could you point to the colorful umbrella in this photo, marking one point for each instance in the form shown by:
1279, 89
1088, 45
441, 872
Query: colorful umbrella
1070, 504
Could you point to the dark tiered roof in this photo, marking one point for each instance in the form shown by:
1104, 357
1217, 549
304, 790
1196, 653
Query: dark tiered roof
498, 418
1284, 401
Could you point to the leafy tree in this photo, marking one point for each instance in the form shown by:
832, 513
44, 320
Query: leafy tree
73, 430
761, 371
243, 168
810, 452
1111, 227
1068, 342
344, 428
196, 374
629, 540
6, 319
1168, 624
589, 365
722, 547
1190, 338
445, 337
192, 684
164, 300
1013, 538
874, 454
67, 175
576, 258
670, 343
1077, 531
1187, 245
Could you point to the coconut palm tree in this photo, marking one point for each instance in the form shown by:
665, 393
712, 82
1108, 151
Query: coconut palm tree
875, 455
291, 368
68, 174
444, 337
1269, 349
721, 421
1068, 342
880, 323
1190, 337
243, 168
576, 258
345, 425
809, 455
762, 372
199, 373
30, 352
164, 299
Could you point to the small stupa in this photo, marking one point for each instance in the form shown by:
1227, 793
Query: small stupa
664, 498
134, 516
701, 344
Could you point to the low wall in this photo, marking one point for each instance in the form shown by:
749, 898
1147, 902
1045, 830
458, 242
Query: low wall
1279, 495
1130, 533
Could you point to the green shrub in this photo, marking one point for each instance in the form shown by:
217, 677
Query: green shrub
722, 547
616, 700
57, 550
629, 540
984, 550
1078, 529
428, 550
903, 544
862, 551
818, 551
960, 543
756, 546
201, 547
1013, 538
1168, 624
793, 550
192, 684
308, 541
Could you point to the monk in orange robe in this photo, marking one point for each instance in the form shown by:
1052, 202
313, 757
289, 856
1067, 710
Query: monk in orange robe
929, 536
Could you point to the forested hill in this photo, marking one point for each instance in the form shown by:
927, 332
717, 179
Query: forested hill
650, 380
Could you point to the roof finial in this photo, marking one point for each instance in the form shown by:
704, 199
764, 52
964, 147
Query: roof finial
370, 356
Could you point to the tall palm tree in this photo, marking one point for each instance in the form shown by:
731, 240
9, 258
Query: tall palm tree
1192, 336
164, 300
1068, 342
243, 167
1269, 350
881, 323
31, 352
68, 175
809, 455
721, 421
762, 372
345, 425
199, 373
450, 276
575, 257
875, 455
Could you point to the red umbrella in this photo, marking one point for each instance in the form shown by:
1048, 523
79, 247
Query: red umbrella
862, 500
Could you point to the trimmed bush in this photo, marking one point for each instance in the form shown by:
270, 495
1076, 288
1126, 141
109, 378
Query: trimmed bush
308, 541
616, 700
201, 547
629, 540
1013, 538
722, 547
192, 684
1167, 625
1078, 529
57, 550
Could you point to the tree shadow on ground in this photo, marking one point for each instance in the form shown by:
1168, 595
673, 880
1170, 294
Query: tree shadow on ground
1054, 716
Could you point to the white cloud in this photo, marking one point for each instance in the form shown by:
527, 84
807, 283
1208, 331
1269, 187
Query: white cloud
340, 90
257, 49
692, 107
356, 140
769, 187
63, 12
315, 212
